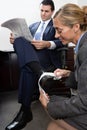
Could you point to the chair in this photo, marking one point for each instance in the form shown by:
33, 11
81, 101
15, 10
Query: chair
62, 55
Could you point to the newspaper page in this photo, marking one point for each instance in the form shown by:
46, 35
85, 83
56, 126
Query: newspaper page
19, 28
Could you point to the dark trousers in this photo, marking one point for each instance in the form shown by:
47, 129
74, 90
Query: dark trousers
28, 80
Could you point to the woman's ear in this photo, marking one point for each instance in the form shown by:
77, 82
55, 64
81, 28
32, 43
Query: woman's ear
76, 27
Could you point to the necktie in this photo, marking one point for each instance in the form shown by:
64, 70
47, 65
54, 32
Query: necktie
39, 32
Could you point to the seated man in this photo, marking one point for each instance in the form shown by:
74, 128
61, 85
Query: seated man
34, 58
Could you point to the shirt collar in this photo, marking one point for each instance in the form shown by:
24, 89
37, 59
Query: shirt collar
46, 22
77, 46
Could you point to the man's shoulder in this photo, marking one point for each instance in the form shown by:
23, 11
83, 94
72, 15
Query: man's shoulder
33, 24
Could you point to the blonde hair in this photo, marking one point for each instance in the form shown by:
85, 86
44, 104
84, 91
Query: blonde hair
71, 14
84, 9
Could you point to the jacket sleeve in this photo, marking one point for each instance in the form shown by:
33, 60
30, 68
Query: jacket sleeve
70, 81
67, 107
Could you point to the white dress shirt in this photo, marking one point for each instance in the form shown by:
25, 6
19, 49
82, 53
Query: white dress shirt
53, 45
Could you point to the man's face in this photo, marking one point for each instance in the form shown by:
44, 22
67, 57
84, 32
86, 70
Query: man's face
45, 12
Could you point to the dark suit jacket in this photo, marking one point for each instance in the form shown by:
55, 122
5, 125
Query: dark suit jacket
75, 106
47, 56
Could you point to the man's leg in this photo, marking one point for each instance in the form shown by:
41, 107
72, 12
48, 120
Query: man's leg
30, 72
27, 59
26, 89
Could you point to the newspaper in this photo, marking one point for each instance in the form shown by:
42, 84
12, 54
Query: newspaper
19, 28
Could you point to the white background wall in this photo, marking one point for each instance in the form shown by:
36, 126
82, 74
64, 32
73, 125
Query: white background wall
24, 9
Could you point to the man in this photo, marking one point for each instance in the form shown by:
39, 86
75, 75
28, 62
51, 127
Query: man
34, 58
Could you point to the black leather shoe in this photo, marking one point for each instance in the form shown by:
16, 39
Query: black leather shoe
47, 81
45, 77
20, 120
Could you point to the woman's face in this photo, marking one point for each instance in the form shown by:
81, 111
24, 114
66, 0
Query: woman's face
64, 33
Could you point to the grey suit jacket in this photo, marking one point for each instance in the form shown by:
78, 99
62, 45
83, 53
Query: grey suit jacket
65, 107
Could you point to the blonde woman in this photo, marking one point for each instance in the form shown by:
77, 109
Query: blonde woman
70, 113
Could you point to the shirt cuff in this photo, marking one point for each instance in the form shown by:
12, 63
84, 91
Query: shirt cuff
53, 45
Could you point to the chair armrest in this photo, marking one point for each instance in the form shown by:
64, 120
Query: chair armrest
62, 49
62, 52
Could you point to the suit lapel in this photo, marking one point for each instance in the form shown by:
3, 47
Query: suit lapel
36, 26
47, 29
76, 65
84, 37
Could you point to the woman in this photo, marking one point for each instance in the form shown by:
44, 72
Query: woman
70, 113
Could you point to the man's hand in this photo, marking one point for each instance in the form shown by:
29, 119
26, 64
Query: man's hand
11, 38
38, 44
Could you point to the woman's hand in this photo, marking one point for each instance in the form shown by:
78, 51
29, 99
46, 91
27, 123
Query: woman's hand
44, 99
62, 72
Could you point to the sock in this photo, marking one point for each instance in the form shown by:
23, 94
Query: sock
25, 108
27, 116
35, 67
